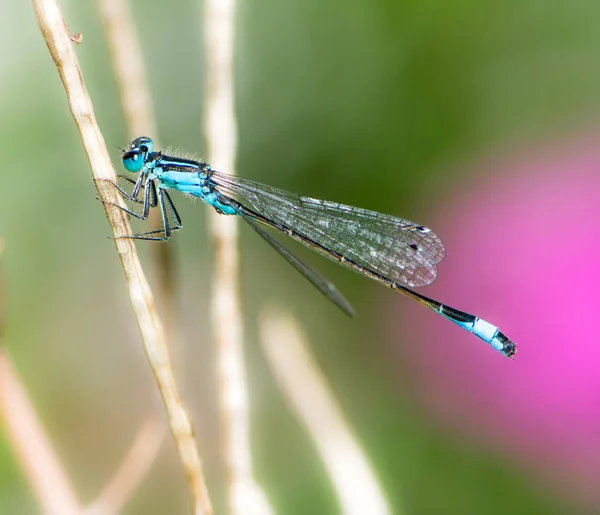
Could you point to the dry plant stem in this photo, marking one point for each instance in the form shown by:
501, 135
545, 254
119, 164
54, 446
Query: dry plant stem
136, 104
27, 438
31, 446
128, 64
220, 130
132, 471
138, 110
56, 35
307, 392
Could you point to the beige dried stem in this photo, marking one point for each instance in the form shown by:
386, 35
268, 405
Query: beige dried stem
138, 110
31, 446
125, 481
220, 131
27, 438
315, 406
56, 34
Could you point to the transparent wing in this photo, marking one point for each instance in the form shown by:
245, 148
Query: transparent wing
398, 249
325, 286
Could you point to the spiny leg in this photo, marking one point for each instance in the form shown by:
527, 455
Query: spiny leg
134, 195
123, 193
149, 191
138, 186
176, 217
131, 197
167, 229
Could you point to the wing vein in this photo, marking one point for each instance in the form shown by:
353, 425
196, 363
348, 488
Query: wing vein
396, 248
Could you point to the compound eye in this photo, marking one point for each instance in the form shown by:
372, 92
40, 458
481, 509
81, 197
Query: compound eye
145, 144
133, 161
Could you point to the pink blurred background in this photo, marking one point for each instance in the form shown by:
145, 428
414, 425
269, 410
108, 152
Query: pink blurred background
523, 252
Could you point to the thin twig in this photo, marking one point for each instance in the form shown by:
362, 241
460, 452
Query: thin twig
27, 438
138, 111
307, 392
128, 64
31, 445
220, 130
132, 471
56, 34
136, 102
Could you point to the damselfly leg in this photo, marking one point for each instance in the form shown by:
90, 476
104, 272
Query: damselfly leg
170, 217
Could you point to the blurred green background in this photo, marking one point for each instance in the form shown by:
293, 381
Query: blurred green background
369, 103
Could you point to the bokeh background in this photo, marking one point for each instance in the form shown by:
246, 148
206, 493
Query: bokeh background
478, 119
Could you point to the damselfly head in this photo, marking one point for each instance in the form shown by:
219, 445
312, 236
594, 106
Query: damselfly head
135, 158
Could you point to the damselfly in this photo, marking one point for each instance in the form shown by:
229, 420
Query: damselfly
393, 251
